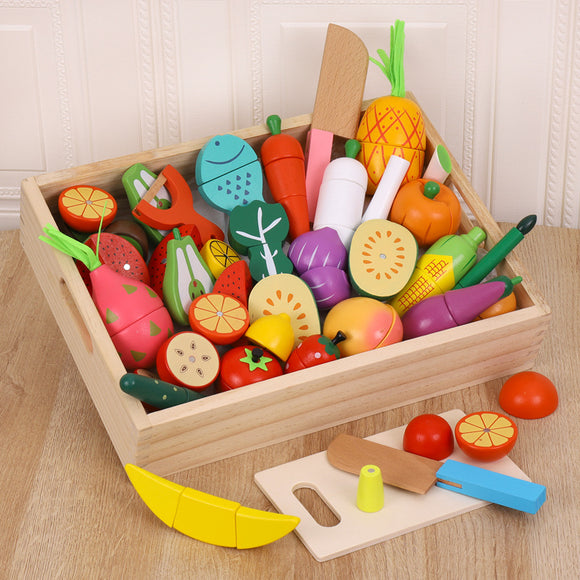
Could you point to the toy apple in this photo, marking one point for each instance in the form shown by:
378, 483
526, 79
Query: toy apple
189, 360
314, 350
244, 365
366, 322
428, 209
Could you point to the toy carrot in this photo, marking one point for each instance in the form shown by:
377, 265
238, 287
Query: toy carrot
283, 161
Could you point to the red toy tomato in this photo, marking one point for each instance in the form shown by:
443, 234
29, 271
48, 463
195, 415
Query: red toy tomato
430, 436
244, 365
314, 350
528, 395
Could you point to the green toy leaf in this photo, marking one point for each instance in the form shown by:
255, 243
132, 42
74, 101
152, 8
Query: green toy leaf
393, 66
70, 247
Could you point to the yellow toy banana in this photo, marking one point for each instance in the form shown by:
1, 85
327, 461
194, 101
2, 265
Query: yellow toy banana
206, 517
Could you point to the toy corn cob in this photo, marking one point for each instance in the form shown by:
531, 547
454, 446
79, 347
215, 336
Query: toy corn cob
440, 268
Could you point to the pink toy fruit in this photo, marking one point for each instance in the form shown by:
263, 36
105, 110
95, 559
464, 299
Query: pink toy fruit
119, 254
133, 314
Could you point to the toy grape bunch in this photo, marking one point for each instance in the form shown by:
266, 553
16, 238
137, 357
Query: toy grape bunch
393, 124
133, 314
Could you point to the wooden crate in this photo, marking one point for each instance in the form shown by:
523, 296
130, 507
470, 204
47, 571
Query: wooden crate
234, 422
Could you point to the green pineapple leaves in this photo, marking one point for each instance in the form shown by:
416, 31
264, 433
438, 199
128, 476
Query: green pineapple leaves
393, 66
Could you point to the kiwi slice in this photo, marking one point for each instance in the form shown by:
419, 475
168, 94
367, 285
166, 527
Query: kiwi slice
286, 293
382, 258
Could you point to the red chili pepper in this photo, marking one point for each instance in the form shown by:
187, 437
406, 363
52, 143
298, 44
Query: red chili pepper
283, 161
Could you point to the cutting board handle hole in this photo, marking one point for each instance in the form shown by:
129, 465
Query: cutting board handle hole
316, 506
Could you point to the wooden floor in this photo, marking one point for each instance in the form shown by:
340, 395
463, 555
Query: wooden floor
67, 510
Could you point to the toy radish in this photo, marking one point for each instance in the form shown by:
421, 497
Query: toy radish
342, 194
132, 312
283, 161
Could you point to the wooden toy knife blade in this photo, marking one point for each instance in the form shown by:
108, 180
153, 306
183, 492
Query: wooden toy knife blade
338, 103
418, 474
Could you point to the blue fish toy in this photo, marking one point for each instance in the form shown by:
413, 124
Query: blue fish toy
228, 173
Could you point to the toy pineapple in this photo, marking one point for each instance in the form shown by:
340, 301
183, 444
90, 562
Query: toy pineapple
393, 124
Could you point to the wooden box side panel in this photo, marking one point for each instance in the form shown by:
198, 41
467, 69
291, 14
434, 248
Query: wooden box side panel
347, 389
124, 417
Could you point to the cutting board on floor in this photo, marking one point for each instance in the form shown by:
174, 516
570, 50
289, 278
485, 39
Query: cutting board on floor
403, 511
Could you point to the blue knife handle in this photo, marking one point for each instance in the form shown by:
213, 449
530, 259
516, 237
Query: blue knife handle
490, 486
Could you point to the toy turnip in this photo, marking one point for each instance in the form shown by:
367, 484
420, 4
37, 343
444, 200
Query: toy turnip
132, 312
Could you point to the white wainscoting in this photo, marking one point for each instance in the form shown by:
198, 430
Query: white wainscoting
91, 80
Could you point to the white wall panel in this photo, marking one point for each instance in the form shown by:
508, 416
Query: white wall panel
85, 81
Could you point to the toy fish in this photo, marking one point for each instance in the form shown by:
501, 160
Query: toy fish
228, 173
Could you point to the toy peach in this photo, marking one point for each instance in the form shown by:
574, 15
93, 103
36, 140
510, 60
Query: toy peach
366, 322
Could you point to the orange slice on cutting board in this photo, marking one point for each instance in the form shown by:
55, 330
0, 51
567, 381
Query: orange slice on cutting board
83, 206
486, 436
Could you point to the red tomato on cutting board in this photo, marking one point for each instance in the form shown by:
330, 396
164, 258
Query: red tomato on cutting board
430, 436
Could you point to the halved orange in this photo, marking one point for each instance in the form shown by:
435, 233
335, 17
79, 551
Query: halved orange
486, 435
82, 207
220, 318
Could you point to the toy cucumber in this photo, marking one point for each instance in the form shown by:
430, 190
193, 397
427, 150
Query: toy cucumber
186, 276
155, 392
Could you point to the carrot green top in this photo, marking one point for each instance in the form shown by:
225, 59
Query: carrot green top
393, 67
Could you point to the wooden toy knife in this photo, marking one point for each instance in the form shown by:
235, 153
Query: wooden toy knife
338, 103
418, 474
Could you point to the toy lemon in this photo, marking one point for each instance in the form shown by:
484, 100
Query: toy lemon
274, 333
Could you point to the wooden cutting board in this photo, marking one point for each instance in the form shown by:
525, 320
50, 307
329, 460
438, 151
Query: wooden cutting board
403, 511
